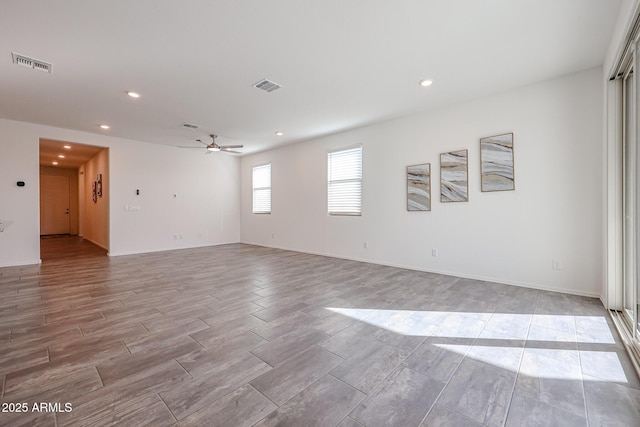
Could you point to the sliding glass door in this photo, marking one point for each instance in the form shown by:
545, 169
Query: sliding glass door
630, 198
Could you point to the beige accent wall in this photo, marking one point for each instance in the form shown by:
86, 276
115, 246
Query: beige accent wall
94, 224
74, 206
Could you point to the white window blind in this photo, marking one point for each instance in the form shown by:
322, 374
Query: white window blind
345, 182
262, 189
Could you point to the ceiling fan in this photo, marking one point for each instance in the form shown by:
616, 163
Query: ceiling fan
214, 146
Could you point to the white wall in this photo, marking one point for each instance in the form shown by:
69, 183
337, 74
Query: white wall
205, 210
510, 237
19, 206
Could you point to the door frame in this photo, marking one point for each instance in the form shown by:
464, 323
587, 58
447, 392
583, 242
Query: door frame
44, 176
79, 158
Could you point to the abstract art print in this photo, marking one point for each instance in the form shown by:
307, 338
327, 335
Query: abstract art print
496, 163
454, 179
419, 187
99, 185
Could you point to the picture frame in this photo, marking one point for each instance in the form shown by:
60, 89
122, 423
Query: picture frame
454, 176
99, 185
497, 163
419, 187
94, 191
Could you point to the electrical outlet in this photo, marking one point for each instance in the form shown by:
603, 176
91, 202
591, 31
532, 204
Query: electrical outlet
434, 252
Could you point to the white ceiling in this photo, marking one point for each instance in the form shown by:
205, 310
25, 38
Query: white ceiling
342, 63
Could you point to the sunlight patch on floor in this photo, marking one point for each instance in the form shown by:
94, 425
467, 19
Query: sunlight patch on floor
551, 350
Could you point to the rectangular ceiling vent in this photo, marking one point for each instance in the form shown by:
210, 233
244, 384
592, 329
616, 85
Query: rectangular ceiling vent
267, 85
36, 64
190, 126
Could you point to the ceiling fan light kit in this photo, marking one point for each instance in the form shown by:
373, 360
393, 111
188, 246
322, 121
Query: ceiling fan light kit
215, 147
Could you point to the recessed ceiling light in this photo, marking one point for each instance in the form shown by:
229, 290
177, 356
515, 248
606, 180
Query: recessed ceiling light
279, 133
54, 163
61, 156
104, 126
68, 147
425, 82
133, 94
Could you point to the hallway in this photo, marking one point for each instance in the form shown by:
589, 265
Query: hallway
67, 247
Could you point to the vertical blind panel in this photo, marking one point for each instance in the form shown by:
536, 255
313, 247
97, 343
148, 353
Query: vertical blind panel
345, 181
262, 189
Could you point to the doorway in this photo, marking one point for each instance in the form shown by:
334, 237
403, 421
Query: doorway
72, 211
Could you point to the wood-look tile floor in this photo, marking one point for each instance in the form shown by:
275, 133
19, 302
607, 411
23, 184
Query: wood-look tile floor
238, 335
67, 247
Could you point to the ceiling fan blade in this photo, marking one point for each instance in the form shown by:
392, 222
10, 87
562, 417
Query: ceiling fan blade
185, 146
231, 151
224, 147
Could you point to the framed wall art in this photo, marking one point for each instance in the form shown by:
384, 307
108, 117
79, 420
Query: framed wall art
496, 163
419, 187
454, 176
99, 185
94, 191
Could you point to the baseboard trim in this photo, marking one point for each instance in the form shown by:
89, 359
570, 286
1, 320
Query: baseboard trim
100, 245
22, 263
150, 251
443, 272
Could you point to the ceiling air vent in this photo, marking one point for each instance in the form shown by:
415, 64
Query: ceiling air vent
267, 85
190, 126
36, 64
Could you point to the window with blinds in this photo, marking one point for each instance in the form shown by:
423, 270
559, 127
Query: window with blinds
262, 189
344, 191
